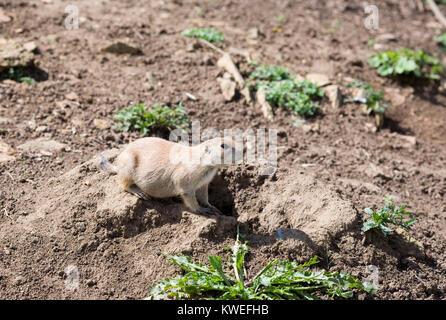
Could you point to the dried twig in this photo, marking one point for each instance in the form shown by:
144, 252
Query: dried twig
6, 213
440, 17
226, 62
10, 175
265, 106
210, 45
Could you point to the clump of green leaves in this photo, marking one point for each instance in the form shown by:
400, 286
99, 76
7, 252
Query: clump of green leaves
389, 214
281, 91
297, 96
139, 118
270, 73
406, 62
209, 34
441, 40
16, 74
276, 281
374, 100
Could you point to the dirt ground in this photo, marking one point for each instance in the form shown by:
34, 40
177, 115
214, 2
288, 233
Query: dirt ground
58, 211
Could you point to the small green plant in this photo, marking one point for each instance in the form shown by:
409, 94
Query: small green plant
406, 62
210, 34
371, 98
17, 74
270, 73
139, 118
199, 11
389, 214
297, 96
441, 40
281, 91
276, 281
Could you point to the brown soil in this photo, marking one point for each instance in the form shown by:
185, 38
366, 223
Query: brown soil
58, 210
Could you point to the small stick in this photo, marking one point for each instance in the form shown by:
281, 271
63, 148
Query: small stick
6, 213
191, 96
437, 12
210, 45
226, 62
420, 5
10, 175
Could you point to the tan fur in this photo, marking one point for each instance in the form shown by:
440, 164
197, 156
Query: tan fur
145, 168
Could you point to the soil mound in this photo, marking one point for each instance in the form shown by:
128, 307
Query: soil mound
112, 237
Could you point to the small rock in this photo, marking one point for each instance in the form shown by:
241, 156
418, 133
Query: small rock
6, 152
30, 46
407, 142
307, 128
13, 55
180, 53
5, 120
40, 144
299, 78
321, 80
227, 75
386, 37
374, 171
378, 46
191, 47
77, 123
91, 282
254, 33
379, 120
64, 103
101, 124
41, 129
71, 96
334, 95
150, 80
395, 97
45, 153
266, 108
247, 94
19, 280
227, 87
226, 63
122, 47
4, 18
433, 25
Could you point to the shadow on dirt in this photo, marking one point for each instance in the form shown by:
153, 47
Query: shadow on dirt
29, 74
394, 126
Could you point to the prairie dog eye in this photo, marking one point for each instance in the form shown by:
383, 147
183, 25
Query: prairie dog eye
224, 146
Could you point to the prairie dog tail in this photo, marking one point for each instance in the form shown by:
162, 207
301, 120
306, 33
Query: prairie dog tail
106, 166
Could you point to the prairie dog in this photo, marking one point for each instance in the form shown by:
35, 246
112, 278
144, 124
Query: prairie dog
154, 167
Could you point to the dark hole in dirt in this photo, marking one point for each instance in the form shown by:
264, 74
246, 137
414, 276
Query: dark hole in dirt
29, 74
221, 197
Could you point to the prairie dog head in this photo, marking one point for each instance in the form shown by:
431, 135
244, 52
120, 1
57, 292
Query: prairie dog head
220, 152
